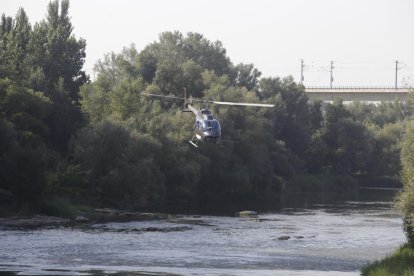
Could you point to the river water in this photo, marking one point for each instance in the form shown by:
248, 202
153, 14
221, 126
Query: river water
327, 236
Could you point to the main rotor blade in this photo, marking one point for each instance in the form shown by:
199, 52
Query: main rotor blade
163, 96
243, 104
205, 101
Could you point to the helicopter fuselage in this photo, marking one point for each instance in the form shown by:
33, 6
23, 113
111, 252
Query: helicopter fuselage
206, 127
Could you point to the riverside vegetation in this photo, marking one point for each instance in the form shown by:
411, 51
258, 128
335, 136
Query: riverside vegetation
401, 262
67, 142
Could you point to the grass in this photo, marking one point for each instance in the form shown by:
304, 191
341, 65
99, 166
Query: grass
400, 263
59, 207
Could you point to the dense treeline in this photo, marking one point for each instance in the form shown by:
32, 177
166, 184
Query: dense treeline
104, 144
40, 76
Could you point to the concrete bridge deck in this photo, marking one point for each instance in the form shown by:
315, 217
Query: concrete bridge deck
363, 94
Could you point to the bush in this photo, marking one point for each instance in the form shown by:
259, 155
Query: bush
59, 207
405, 200
409, 229
400, 262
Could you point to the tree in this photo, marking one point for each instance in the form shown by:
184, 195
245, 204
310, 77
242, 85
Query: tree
193, 80
147, 64
176, 61
27, 111
293, 123
315, 115
386, 149
349, 143
115, 68
6, 28
58, 53
57, 60
63, 121
120, 165
169, 77
247, 76
17, 48
15, 38
209, 55
23, 154
406, 197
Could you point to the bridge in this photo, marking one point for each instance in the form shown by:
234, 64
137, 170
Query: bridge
363, 94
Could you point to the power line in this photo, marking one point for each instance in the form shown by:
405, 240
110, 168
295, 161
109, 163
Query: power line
396, 73
356, 67
302, 67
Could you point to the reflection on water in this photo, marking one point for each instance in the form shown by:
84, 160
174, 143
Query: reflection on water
312, 235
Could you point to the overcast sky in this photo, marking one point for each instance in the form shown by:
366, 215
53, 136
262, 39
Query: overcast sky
363, 38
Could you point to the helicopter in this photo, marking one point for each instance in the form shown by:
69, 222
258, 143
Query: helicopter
206, 128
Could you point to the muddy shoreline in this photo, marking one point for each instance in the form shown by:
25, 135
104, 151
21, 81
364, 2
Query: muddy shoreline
102, 215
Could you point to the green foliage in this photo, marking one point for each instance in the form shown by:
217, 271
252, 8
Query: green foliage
26, 110
46, 58
247, 76
254, 175
209, 55
291, 115
345, 143
64, 139
40, 76
400, 263
119, 165
315, 115
23, 156
41, 56
384, 113
406, 198
387, 149
272, 145
15, 39
95, 102
59, 207
58, 52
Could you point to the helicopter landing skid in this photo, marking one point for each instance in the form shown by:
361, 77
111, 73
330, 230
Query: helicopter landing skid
192, 143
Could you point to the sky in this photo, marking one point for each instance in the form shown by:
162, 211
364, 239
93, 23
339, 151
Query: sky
362, 38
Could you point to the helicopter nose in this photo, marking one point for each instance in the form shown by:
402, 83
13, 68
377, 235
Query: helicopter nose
212, 134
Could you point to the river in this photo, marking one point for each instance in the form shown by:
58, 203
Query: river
307, 236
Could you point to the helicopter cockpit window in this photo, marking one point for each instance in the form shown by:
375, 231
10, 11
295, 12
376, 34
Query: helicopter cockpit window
216, 125
211, 124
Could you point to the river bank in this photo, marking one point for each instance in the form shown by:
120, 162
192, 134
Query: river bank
93, 216
64, 213
400, 262
108, 215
